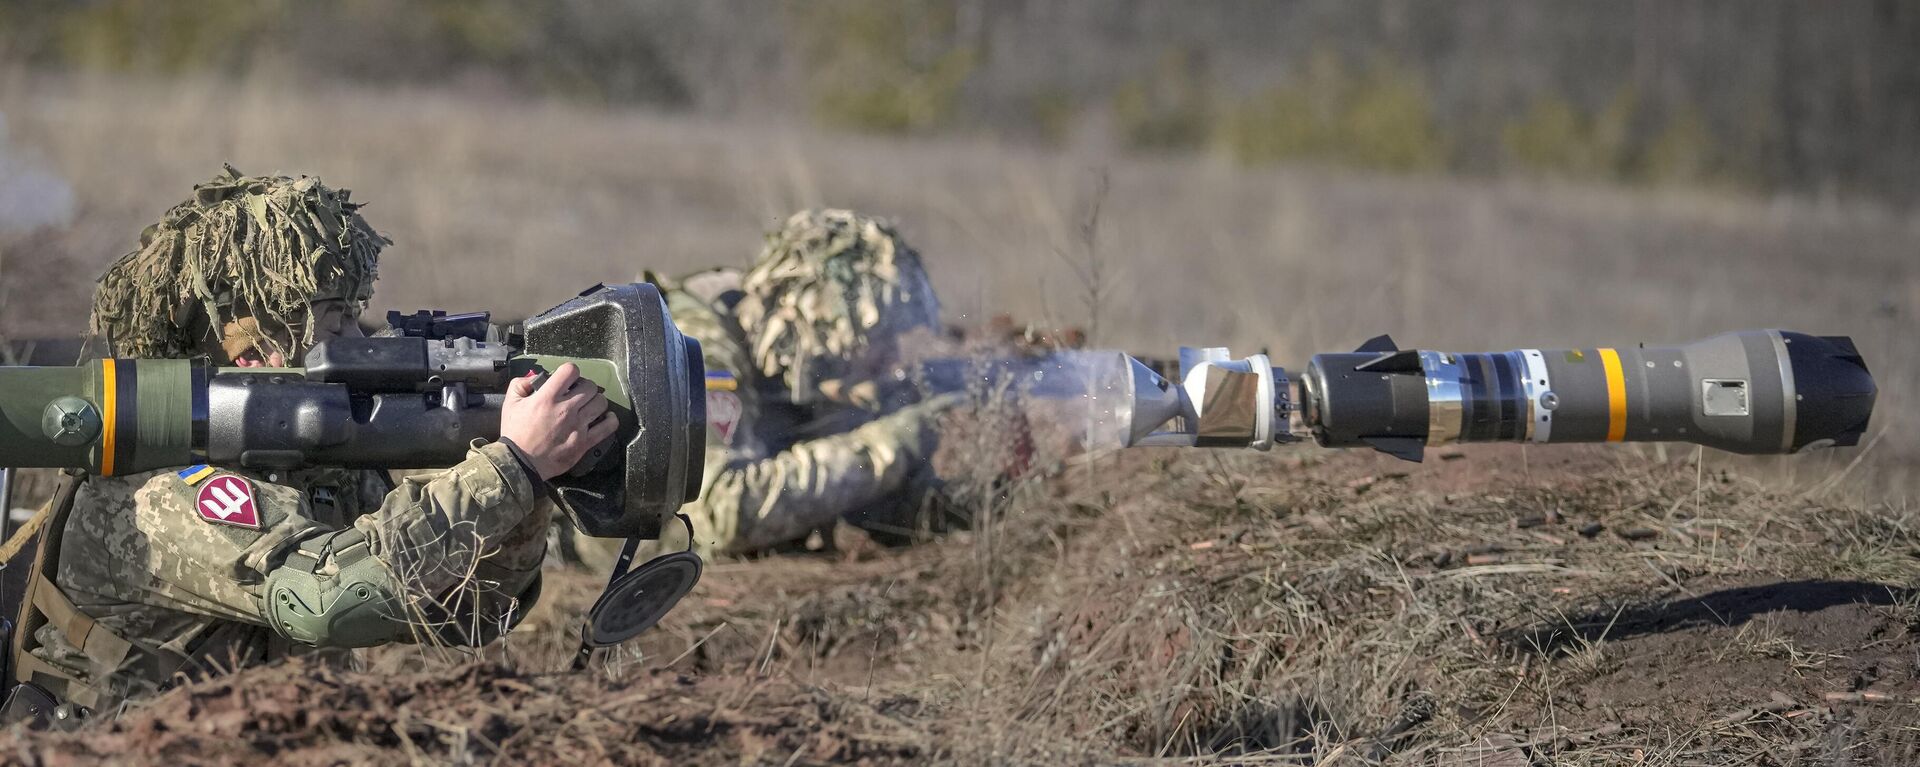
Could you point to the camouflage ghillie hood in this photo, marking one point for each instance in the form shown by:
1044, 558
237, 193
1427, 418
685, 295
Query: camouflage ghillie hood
244, 247
826, 285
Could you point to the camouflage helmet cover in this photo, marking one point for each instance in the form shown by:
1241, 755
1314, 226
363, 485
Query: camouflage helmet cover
828, 284
252, 250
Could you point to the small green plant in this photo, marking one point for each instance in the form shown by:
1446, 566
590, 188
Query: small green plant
889, 67
1054, 111
1556, 138
1620, 143
1170, 108
1681, 152
1387, 120
1380, 118
1288, 121
164, 37
556, 47
486, 31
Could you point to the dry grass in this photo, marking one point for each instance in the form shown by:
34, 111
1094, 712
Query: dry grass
1196, 608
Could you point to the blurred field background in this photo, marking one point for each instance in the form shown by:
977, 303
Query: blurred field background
1296, 176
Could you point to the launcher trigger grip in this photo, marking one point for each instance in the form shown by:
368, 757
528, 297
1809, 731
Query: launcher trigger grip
599, 452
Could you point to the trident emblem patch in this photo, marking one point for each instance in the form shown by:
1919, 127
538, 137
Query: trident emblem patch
228, 500
723, 413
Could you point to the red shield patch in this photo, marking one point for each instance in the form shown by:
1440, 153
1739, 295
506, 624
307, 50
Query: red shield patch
228, 499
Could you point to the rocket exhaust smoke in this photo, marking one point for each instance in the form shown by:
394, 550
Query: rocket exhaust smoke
31, 195
1083, 399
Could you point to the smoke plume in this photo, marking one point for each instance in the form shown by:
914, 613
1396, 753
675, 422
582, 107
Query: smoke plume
31, 195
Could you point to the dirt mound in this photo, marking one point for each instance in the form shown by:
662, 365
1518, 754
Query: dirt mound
1601, 608
306, 714
1489, 607
1820, 670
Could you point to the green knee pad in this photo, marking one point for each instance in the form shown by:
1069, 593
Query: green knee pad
356, 604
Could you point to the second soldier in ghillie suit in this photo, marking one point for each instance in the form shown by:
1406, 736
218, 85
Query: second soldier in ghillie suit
798, 436
140, 580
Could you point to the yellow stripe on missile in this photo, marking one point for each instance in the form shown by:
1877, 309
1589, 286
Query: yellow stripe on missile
109, 413
1616, 395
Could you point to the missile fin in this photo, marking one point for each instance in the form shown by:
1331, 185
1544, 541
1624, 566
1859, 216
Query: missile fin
1845, 345
1379, 343
1393, 362
1404, 448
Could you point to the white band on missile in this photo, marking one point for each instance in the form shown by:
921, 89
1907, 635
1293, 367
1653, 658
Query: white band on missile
1539, 388
1445, 397
1789, 395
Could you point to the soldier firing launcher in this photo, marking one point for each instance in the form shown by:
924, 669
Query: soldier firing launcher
413, 399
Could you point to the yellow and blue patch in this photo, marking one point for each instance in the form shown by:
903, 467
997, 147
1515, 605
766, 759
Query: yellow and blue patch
721, 380
194, 475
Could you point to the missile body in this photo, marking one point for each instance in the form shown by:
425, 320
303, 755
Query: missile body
1754, 392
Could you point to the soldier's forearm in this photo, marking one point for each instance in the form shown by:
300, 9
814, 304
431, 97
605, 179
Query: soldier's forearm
435, 530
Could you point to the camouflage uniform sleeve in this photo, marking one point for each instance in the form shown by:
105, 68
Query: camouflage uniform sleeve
470, 539
141, 540
752, 504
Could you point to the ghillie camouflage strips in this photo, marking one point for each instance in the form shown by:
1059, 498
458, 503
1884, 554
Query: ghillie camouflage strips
258, 246
826, 285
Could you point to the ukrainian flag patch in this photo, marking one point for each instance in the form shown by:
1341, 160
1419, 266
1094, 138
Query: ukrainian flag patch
194, 475
721, 380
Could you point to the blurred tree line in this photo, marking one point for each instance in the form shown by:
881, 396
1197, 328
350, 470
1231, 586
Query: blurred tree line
1813, 96
590, 50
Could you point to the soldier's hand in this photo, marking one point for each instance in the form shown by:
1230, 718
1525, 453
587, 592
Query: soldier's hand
555, 426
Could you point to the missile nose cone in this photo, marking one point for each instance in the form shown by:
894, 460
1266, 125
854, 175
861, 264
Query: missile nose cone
1834, 391
1155, 401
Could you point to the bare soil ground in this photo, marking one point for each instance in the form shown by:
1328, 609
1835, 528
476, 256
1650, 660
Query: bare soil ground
1490, 607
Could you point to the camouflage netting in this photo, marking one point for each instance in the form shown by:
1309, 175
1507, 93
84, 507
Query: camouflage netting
826, 283
265, 246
